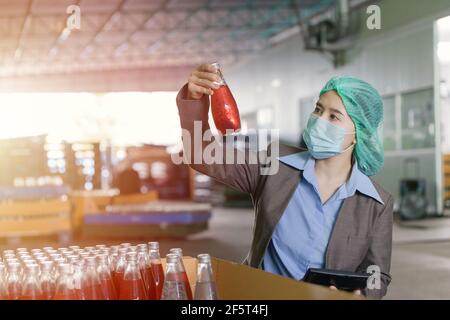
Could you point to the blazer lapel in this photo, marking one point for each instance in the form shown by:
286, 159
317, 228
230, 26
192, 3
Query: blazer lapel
340, 233
282, 187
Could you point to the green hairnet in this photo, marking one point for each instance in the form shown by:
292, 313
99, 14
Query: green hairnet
365, 107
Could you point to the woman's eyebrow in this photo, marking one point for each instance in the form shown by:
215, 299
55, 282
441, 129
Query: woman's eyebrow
332, 109
337, 111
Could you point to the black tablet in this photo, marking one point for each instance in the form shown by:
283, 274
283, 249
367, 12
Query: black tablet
343, 280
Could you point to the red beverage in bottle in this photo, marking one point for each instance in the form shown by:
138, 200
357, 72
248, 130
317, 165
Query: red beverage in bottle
66, 295
132, 290
117, 279
224, 108
108, 289
14, 282
78, 294
150, 285
48, 289
106, 279
14, 291
158, 276
93, 292
90, 284
185, 280
65, 289
132, 285
32, 296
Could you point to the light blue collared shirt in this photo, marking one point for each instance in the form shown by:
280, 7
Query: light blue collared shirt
300, 239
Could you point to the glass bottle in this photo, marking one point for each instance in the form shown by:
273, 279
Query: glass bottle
119, 269
125, 245
145, 268
104, 273
179, 252
158, 271
205, 288
223, 106
31, 288
132, 285
113, 258
14, 281
77, 270
91, 285
174, 285
8, 253
3, 286
48, 281
65, 285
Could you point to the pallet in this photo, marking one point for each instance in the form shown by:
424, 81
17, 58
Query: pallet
156, 219
142, 231
35, 218
98, 200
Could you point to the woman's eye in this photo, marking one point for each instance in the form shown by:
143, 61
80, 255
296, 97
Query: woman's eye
333, 117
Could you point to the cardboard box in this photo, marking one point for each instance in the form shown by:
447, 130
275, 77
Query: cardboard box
239, 282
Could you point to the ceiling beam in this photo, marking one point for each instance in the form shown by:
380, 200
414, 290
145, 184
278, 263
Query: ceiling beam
25, 24
136, 79
113, 13
140, 27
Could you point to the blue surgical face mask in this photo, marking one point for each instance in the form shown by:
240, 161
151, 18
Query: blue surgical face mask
324, 139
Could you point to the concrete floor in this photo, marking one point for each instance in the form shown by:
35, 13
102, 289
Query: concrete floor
420, 266
420, 270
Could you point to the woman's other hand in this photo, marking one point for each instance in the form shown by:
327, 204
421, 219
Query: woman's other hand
357, 292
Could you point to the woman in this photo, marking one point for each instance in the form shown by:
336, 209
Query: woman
321, 209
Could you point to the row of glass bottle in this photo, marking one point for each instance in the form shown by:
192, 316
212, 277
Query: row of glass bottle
123, 272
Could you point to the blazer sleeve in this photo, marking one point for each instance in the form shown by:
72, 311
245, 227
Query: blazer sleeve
243, 175
379, 252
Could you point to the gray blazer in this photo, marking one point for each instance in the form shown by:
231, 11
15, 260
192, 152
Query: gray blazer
362, 235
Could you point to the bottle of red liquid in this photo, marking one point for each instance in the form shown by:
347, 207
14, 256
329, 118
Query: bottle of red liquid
224, 108
3, 287
64, 286
77, 269
32, 289
48, 282
179, 253
119, 269
14, 281
104, 273
145, 268
91, 285
157, 269
132, 286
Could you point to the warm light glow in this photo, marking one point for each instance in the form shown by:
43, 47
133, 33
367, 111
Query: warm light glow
123, 118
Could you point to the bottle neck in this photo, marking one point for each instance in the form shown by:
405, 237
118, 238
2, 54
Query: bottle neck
155, 257
221, 81
204, 272
172, 269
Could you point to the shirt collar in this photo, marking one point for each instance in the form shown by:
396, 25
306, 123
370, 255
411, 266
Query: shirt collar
303, 161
